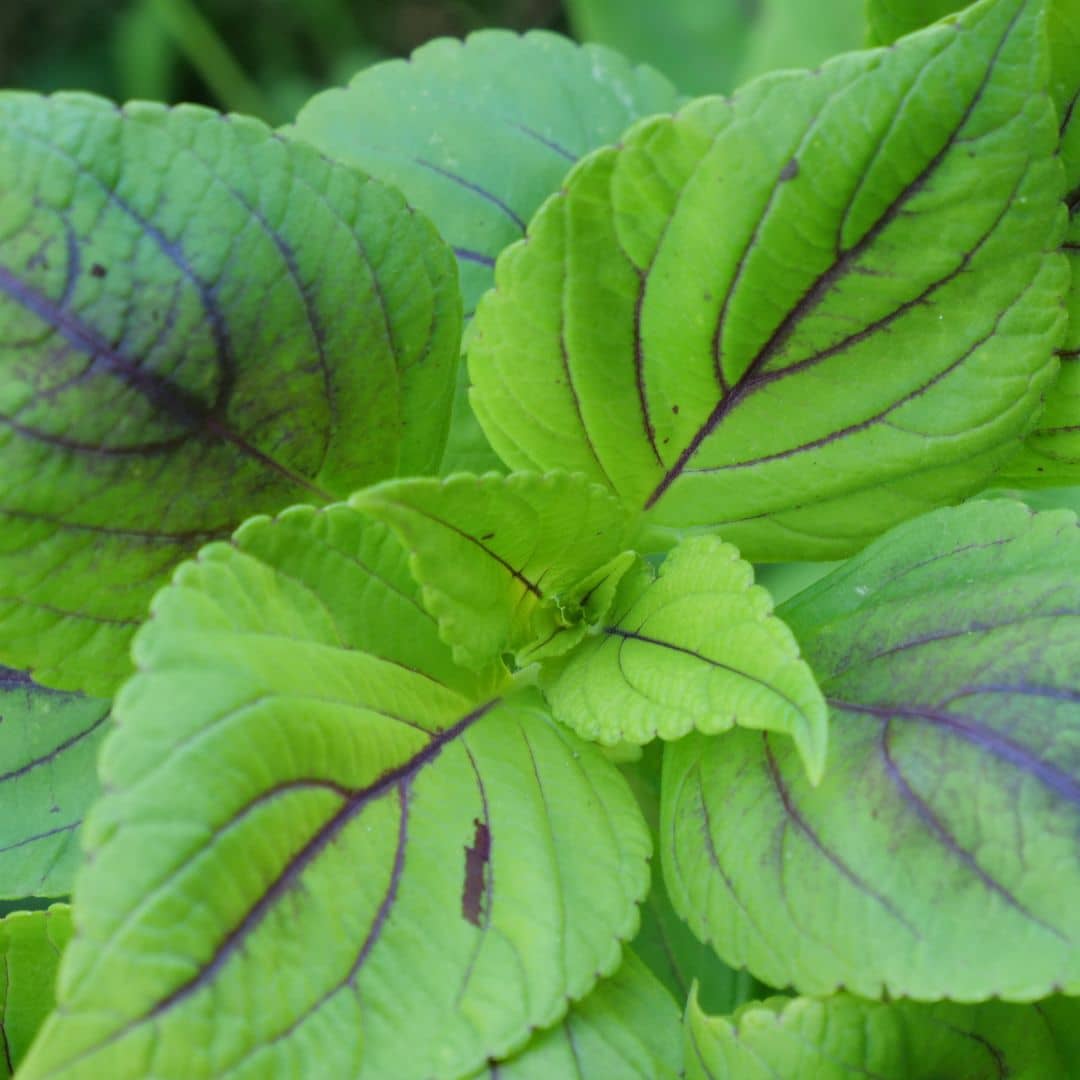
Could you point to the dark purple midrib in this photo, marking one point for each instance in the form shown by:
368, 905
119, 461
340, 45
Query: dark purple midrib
992, 742
795, 815
930, 819
165, 396
14, 774
40, 836
751, 381
11, 679
290, 874
645, 639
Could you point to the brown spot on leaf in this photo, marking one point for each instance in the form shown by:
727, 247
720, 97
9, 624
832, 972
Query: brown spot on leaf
476, 860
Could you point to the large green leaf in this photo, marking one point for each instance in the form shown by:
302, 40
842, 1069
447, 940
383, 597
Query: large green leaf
198, 321
802, 315
503, 561
888, 20
697, 649
938, 856
1051, 455
664, 941
30, 946
319, 856
627, 1029
48, 747
477, 134
840, 1037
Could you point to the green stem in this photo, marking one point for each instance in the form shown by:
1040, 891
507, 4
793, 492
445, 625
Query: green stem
204, 49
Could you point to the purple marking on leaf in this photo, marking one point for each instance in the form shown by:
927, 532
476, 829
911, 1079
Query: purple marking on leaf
926, 814
567, 155
476, 862
14, 774
468, 185
795, 816
468, 255
40, 836
992, 742
290, 874
10, 679
820, 288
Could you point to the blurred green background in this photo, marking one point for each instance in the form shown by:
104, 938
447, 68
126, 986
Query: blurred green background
266, 57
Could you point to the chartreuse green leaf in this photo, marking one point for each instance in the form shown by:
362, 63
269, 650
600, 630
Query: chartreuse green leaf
502, 559
704, 318
30, 947
938, 856
198, 322
697, 649
48, 746
664, 941
839, 1037
303, 812
477, 134
888, 20
628, 1028
1051, 455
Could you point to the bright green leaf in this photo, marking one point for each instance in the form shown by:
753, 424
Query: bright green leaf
199, 322
706, 318
697, 649
938, 856
1051, 455
317, 856
48, 748
844, 1036
888, 20
30, 946
499, 557
628, 1028
664, 941
477, 134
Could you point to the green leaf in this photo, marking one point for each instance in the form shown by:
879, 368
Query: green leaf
200, 322
502, 559
888, 20
698, 46
477, 134
48, 748
699, 319
302, 815
1051, 454
843, 1036
628, 1028
938, 856
696, 649
664, 941
30, 947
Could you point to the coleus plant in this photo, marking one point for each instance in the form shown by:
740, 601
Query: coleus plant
386, 739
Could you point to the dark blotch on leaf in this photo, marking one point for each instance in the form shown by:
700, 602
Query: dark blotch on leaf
790, 170
476, 860
98, 271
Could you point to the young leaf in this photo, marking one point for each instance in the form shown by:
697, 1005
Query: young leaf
706, 318
938, 856
48, 749
477, 134
840, 1037
1051, 454
30, 947
319, 850
499, 557
199, 321
627, 1029
696, 649
888, 20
